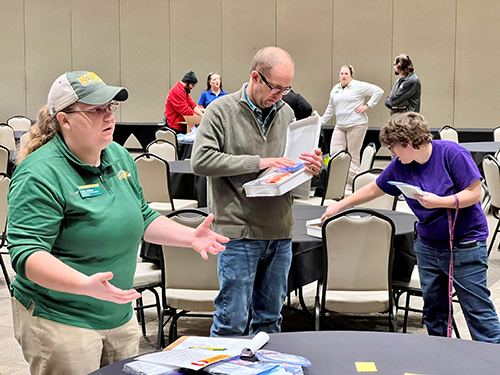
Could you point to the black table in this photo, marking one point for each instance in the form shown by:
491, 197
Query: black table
143, 131
307, 250
464, 135
184, 149
478, 150
336, 353
184, 184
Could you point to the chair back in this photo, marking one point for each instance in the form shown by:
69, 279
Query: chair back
23, 139
184, 268
368, 157
7, 138
485, 198
338, 171
358, 253
166, 134
4, 159
496, 134
448, 133
4, 207
165, 150
154, 176
497, 153
491, 169
19, 123
385, 202
192, 121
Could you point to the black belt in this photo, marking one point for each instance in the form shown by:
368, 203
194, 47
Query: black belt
466, 245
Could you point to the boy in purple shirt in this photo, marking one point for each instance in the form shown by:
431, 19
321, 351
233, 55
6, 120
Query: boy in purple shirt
444, 171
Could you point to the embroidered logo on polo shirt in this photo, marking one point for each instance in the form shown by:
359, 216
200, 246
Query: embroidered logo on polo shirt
123, 175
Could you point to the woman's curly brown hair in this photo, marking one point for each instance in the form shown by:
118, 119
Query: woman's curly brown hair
405, 128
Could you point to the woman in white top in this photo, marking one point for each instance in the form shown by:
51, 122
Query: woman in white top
347, 102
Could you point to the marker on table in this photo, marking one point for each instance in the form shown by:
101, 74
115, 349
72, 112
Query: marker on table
207, 348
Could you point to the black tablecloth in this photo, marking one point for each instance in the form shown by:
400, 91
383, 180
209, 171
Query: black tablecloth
143, 131
479, 150
185, 184
184, 150
336, 353
307, 250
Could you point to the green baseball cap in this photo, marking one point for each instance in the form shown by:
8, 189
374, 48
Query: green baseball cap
83, 87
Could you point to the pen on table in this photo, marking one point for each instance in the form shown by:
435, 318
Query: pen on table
206, 347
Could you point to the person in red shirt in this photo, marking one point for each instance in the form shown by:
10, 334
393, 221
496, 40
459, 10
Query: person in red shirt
180, 104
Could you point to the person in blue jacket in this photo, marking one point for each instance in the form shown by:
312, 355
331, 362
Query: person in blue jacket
214, 90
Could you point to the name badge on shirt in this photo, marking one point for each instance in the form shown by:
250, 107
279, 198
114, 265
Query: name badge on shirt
87, 191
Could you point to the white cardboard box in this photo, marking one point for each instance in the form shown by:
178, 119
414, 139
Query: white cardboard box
313, 228
302, 136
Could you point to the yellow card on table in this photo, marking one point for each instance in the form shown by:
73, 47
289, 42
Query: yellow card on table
366, 367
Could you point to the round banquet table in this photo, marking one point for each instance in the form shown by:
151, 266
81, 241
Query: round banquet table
338, 352
478, 150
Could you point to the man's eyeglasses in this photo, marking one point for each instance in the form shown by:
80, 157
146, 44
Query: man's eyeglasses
274, 90
101, 110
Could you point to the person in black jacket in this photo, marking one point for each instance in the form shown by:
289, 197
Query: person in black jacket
405, 94
301, 107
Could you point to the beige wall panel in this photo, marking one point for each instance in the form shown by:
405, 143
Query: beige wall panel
247, 26
428, 36
12, 64
195, 41
304, 29
48, 49
477, 67
362, 38
144, 58
96, 39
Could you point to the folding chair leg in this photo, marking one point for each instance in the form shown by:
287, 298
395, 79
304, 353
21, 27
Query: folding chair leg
6, 276
495, 232
140, 314
455, 327
407, 306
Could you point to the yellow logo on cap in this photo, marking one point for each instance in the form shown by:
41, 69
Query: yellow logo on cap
123, 174
89, 78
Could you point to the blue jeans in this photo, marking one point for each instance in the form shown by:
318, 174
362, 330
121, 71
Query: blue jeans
469, 281
253, 274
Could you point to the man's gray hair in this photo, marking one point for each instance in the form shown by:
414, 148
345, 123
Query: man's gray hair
268, 57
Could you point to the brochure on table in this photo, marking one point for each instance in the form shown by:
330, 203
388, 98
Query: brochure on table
195, 353
302, 136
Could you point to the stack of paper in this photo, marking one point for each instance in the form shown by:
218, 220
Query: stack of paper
192, 352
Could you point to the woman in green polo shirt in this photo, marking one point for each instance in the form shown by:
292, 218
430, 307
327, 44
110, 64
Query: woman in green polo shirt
76, 217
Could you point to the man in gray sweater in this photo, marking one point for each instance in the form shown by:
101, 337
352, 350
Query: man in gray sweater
240, 135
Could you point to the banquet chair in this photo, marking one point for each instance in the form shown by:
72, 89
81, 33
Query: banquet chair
357, 266
491, 169
485, 198
19, 123
385, 202
7, 138
191, 122
154, 176
147, 277
368, 157
497, 154
496, 134
4, 208
167, 135
448, 133
4, 159
336, 180
133, 145
164, 149
189, 283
